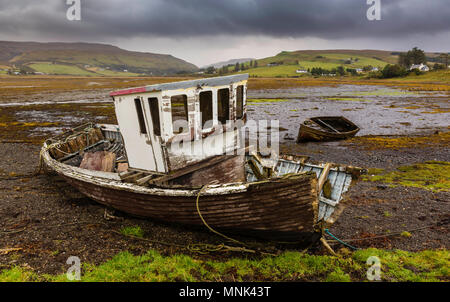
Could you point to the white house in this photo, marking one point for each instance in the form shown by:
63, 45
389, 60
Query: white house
301, 71
420, 66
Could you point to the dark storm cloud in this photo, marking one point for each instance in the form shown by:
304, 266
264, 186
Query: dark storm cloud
328, 19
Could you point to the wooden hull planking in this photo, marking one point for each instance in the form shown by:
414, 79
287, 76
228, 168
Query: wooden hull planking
282, 209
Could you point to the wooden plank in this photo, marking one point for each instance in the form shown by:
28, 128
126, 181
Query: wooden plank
132, 176
145, 171
255, 170
189, 169
326, 124
145, 179
125, 174
323, 177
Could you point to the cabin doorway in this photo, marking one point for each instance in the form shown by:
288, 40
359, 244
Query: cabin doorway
223, 105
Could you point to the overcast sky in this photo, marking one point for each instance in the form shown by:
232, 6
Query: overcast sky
207, 31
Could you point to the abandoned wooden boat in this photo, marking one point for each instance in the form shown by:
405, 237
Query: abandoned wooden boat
326, 128
135, 166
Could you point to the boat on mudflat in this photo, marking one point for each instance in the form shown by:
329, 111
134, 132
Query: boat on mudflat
138, 167
326, 128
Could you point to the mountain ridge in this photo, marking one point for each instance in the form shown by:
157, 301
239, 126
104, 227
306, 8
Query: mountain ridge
88, 57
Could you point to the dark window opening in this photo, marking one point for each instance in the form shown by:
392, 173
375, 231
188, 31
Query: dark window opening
223, 105
206, 107
154, 112
140, 115
240, 102
179, 113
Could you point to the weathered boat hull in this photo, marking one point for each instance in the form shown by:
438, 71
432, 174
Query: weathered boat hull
281, 209
313, 133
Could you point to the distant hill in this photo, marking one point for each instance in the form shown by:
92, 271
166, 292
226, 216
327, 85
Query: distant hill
286, 63
229, 62
88, 59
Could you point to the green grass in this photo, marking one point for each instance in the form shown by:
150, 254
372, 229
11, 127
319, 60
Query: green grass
395, 266
102, 56
431, 175
309, 59
59, 69
381, 92
111, 73
135, 231
18, 274
262, 101
350, 99
405, 234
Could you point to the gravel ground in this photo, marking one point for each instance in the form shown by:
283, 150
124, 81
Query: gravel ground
50, 221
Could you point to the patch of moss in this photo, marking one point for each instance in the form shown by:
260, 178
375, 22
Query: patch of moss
374, 171
289, 266
431, 175
135, 231
437, 110
398, 142
350, 99
405, 234
262, 101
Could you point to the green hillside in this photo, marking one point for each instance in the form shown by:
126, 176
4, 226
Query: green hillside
287, 62
88, 59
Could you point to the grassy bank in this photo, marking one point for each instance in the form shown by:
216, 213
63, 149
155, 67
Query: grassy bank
431, 175
289, 266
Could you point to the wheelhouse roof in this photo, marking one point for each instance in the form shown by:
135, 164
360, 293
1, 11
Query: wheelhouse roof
211, 82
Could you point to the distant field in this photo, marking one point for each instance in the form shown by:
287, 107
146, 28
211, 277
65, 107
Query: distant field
291, 61
62, 69
110, 73
59, 69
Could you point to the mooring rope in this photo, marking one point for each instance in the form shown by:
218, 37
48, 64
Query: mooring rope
206, 224
340, 241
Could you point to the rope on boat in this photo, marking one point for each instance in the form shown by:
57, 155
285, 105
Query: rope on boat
340, 241
206, 248
206, 224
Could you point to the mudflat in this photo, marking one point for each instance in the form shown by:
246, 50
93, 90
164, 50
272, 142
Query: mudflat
47, 221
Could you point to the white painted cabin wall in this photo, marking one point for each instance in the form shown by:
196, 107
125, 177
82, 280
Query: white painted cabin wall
138, 146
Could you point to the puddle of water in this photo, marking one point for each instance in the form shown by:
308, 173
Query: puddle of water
385, 114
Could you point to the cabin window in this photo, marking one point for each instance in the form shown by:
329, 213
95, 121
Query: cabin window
223, 105
179, 113
240, 102
206, 107
140, 116
154, 112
